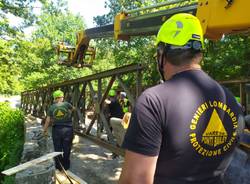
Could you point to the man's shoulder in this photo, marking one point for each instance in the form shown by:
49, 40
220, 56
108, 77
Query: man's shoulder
52, 106
157, 91
65, 102
152, 94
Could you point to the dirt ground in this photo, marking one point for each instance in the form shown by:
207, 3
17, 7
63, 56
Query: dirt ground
93, 163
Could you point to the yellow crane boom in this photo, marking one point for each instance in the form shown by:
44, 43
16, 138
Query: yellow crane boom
217, 17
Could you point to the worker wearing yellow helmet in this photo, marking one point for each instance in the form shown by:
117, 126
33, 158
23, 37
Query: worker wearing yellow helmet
112, 93
115, 108
179, 39
60, 115
185, 129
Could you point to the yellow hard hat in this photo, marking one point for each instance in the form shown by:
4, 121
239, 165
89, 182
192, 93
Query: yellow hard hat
58, 94
112, 93
179, 29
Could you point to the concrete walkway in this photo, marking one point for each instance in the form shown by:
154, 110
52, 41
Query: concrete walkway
93, 163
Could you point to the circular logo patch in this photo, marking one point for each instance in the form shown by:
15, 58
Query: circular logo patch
60, 113
215, 139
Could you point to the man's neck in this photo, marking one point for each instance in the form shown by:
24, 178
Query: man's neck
59, 100
171, 70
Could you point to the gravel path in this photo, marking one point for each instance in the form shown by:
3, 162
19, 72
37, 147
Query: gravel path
92, 163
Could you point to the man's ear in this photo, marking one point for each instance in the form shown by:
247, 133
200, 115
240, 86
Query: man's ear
198, 58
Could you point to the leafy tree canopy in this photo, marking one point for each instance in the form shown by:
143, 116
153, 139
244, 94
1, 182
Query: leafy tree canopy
17, 8
32, 63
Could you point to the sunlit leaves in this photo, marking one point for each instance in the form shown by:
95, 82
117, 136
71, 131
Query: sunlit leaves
228, 58
11, 136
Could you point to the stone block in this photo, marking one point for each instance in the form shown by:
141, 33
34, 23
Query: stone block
36, 145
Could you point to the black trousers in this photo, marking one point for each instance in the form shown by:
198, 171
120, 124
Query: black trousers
62, 139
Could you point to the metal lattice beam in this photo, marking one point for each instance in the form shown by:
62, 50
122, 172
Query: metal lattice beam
79, 92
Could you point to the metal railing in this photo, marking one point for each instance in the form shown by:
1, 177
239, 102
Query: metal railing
81, 93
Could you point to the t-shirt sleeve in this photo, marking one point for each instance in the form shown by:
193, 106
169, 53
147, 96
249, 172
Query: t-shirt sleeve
144, 134
70, 107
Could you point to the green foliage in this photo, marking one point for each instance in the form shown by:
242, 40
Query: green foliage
9, 70
223, 60
138, 50
229, 58
57, 24
18, 8
32, 63
37, 57
12, 138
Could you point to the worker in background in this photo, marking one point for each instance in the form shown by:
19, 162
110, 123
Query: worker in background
119, 120
239, 103
123, 100
185, 129
237, 99
112, 107
60, 114
115, 109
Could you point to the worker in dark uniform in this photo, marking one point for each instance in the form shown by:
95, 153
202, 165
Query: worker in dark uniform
184, 130
115, 109
115, 112
60, 114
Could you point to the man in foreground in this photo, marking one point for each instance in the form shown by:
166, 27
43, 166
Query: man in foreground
184, 130
60, 114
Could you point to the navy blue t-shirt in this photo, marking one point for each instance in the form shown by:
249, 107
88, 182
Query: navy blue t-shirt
190, 123
115, 109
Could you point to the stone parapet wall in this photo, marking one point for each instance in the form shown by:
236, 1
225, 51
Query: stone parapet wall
36, 145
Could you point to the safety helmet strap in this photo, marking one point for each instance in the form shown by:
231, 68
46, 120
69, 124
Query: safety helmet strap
161, 51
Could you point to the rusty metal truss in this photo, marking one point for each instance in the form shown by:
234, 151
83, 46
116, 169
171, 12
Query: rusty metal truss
89, 91
242, 91
92, 90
